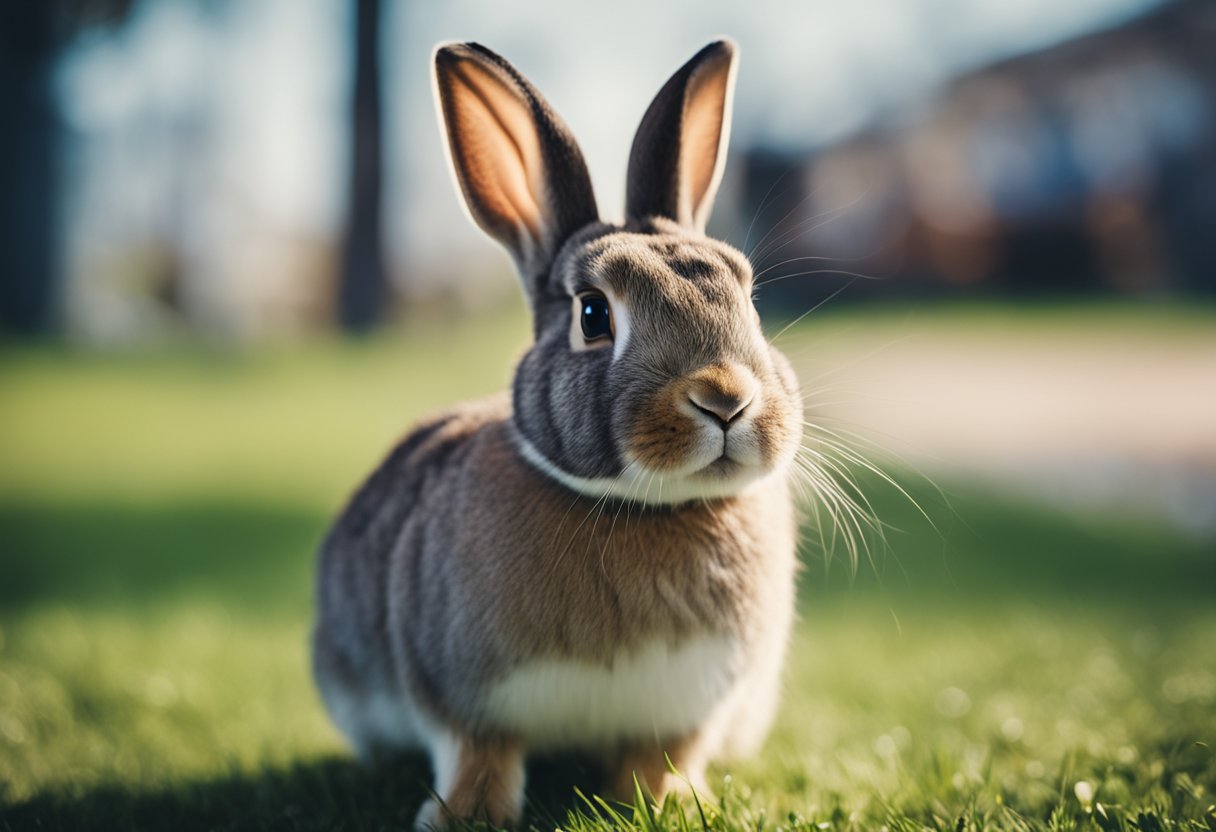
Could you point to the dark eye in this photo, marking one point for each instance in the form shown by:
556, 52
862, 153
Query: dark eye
595, 317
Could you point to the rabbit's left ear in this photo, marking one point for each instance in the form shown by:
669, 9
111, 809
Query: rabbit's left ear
519, 168
679, 151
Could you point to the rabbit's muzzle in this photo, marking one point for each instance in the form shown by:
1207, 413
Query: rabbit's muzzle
715, 423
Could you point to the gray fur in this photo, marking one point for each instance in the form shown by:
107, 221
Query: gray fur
459, 561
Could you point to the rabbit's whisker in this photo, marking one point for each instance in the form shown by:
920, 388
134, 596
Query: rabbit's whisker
558, 532
834, 439
764, 204
812, 309
602, 503
602, 499
852, 493
822, 258
842, 511
807, 226
777, 226
785, 233
811, 272
621, 506
853, 362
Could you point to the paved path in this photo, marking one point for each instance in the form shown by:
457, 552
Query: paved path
1121, 418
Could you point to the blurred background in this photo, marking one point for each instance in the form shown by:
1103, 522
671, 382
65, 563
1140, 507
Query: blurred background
234, 268
195, 163
266, 170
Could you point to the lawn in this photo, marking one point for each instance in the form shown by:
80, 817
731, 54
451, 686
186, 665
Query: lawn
994, 665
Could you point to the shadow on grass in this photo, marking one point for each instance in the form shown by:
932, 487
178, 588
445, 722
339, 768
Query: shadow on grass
97, 553
331, 794
127, 556
341, 794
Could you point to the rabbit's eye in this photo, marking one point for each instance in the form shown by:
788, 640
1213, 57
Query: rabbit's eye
595, 317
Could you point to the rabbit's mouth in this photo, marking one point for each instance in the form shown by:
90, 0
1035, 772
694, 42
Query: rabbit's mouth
721, 468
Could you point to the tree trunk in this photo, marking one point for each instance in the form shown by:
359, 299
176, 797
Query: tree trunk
29, 188
363, 289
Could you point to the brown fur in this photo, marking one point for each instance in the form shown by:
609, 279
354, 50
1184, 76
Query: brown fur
569, 577
487, 787
574, 579
651, 763
491, 543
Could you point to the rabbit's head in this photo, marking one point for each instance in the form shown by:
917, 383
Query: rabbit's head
650, 378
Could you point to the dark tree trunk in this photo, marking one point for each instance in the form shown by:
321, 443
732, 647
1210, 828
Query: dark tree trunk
29, 192
363, 289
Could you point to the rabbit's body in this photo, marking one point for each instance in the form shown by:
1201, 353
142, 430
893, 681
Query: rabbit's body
610, 623
603, 560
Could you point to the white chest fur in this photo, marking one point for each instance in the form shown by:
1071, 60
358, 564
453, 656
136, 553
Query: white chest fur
657, 691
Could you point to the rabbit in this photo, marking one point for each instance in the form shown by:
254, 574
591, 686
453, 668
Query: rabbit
602, 561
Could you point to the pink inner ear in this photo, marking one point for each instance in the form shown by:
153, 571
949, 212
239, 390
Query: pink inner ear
497, 153
702, 138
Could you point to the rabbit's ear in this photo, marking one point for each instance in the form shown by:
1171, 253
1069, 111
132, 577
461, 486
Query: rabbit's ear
521, 172
680, 148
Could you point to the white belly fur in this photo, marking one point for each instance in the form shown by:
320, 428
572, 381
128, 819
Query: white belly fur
658, 691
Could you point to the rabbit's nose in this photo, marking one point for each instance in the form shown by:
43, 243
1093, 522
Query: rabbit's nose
723, 393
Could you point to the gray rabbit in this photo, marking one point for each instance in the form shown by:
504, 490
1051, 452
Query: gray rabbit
604, 559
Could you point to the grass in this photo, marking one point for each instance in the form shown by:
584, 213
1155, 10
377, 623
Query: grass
1020, 668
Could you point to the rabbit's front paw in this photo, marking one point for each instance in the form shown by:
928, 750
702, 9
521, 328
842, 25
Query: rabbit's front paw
487, 785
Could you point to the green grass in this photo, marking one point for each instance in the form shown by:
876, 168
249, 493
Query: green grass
158, 518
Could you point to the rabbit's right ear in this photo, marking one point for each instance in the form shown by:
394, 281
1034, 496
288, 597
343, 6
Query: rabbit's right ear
521, 172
